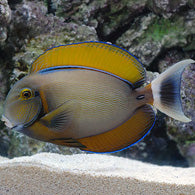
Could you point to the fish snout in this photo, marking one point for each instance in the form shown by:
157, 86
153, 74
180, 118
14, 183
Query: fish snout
18, 127
7, 122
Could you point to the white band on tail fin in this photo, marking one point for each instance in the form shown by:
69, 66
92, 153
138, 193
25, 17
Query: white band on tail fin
166, 91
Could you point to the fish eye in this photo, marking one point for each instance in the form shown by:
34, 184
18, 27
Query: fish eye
26, 94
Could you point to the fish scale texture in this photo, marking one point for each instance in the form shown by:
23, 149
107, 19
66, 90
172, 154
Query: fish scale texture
93, 174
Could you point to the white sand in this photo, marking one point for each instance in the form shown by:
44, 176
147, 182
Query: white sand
54, 174
3, 158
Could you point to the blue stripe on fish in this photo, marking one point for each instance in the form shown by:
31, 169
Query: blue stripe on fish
68, 68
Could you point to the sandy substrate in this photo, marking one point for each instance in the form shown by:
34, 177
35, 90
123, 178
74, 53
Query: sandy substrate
54, 174
3, 158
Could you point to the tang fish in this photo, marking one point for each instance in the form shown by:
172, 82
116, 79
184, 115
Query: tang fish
91, 96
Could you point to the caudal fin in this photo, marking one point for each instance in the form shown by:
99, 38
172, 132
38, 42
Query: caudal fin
166, 91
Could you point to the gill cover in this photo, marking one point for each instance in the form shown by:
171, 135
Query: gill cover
22, 105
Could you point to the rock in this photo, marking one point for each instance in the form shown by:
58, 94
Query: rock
2, 91
5, 13
150, 35
107, 16
168, 7
48, 173
12, 2
30, 20
5, 17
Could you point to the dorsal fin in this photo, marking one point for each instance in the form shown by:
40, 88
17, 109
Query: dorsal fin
95, 55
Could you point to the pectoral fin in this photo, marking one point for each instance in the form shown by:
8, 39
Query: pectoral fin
60, 118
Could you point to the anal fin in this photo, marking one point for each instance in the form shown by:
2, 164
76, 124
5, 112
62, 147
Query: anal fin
67, 142
124, 136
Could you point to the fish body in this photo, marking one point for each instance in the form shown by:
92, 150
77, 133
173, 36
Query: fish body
88, 95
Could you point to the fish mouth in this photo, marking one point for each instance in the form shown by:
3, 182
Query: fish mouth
7, 122
18, 127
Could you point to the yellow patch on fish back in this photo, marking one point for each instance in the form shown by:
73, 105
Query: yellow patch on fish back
101, 56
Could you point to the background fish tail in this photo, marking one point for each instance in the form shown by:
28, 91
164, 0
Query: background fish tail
166, 91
